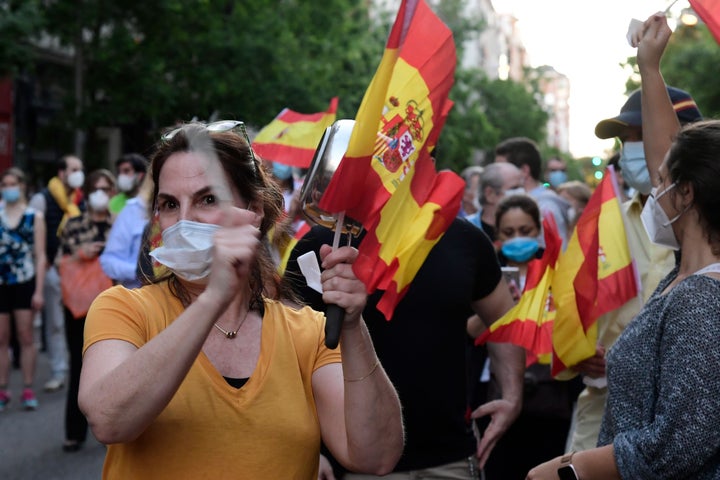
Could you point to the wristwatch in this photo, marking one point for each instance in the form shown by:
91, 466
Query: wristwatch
567, 470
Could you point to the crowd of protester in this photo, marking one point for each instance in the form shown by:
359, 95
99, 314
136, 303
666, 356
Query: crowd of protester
197, 331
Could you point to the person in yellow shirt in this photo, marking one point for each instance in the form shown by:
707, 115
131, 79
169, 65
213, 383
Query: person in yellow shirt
212, 371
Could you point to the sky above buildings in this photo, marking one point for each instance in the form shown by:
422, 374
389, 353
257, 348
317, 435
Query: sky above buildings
584, 40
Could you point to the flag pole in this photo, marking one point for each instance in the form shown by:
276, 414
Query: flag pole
335, 314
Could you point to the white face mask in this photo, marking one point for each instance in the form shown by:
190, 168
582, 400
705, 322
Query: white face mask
126, 182
98, 200
76, 179
656, 222
514, 191
187, 249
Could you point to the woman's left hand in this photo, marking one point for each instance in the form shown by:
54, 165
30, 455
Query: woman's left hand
340, 285
37, 302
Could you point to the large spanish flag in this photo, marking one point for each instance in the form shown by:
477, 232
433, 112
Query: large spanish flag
292, 137
397, 124
595, 275
529, 323
709, 11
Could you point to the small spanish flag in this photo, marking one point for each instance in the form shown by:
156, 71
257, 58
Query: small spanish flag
529, 323
595, 275
292, 137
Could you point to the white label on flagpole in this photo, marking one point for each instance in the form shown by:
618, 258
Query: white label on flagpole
310, 269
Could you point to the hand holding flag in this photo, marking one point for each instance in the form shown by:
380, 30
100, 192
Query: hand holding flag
387, 179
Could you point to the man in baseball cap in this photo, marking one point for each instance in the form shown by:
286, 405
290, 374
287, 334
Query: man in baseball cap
685, 107
627, 127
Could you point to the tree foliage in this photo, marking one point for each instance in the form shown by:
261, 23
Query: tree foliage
19, 20
487, 111
689, 63
155, 63
147, 65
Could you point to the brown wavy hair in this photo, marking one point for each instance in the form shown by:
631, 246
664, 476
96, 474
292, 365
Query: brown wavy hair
245, 173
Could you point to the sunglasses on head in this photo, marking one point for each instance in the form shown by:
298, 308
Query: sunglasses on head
220, 126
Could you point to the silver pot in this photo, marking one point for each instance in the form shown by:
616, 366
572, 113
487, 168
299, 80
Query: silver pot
328, 155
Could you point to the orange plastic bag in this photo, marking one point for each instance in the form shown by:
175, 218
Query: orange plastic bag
80, 282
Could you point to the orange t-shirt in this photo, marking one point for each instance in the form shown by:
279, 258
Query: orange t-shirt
266, 429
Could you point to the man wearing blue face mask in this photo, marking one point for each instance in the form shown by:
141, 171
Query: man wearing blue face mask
653, 260
556, 172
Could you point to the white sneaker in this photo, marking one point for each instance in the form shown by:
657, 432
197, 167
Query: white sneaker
54, 384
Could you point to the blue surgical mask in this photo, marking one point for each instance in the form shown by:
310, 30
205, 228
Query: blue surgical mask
281, 171
520, 249
557, 178
11, 194
633, 167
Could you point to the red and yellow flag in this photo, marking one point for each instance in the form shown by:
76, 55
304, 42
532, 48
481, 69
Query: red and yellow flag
594, 275
529, 323
709, 11
397, 124
292, 137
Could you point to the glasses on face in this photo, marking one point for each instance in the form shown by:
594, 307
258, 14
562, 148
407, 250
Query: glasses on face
220, 126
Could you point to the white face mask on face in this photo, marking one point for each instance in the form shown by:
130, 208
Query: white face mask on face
514, 191
656, 222
187, 249
126, 182
76, 179
98, 200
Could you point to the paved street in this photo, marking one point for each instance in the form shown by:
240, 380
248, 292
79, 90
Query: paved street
30, 442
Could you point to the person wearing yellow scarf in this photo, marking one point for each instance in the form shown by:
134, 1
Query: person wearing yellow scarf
59, 201
68, 203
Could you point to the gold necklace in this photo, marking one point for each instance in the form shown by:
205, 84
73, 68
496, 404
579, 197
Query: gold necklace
233, 333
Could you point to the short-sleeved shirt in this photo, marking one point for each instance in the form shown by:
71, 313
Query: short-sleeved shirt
267, 429
17, 263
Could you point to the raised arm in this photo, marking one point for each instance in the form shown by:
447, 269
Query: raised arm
359, 410
659, 120
508, 364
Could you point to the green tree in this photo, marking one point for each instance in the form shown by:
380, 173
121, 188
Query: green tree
154, 63
485, 112
19, 20
690, 63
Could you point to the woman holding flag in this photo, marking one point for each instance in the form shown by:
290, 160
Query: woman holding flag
662, 419
208, 372
541, 428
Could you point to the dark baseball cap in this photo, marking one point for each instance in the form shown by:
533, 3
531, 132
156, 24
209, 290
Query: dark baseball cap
630, 113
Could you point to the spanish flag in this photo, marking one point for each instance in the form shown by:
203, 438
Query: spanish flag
529, 323
595, 275
388, 155
292, 137
709, 11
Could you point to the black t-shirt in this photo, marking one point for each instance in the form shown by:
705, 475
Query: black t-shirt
422, 348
